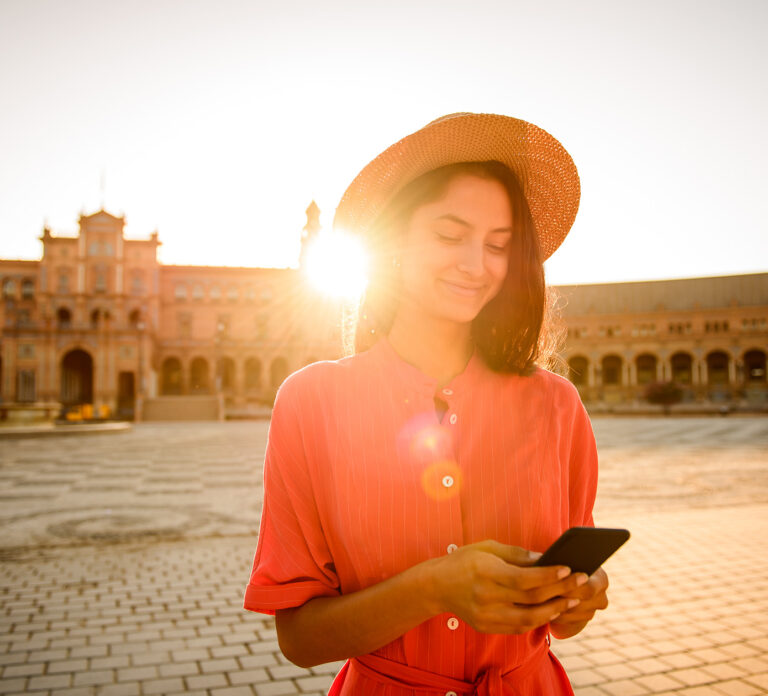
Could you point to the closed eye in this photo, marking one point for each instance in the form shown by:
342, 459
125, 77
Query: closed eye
447, 237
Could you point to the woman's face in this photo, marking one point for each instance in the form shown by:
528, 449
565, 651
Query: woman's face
454, 254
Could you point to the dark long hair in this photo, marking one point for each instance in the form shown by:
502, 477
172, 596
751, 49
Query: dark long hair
511, 332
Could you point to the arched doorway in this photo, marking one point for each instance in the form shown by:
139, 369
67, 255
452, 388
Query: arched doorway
252, 374
755, 383
578, 370
76, 378
278, 372
646, 369
717, 368
754, 367
225, 372
199, 379
611, 369
682, 368
717, 376
170, 377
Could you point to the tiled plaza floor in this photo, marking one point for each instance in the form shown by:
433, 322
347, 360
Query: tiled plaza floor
125, 559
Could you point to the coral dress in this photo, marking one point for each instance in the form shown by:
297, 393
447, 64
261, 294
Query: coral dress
363, 479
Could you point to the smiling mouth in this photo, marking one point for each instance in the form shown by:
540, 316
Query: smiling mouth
463, 290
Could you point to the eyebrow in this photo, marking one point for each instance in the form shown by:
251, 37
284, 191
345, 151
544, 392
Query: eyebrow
464, 223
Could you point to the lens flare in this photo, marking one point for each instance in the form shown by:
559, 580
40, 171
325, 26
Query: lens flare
442, 480
337, 265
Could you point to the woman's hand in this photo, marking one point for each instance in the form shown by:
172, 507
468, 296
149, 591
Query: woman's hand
593, 598
492, 587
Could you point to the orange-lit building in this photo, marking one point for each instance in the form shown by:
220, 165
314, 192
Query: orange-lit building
709, 335
98, 320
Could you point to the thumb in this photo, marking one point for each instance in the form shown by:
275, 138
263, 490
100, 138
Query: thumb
511, 554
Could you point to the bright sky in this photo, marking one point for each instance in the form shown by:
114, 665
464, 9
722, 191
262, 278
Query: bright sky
218, 121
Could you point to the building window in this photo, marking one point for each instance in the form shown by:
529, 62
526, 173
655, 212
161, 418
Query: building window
184, 324
9, 288
223, 325
250, 294
63, 282
23, 318
63, 318
232, 293
215, 293
197, 292
134, 319
26, 351
137, 283
25, 386
180, 292
107, 249
93, 249
100, 284
27, 289
260, 326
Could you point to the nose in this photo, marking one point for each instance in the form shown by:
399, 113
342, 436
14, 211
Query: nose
471, 259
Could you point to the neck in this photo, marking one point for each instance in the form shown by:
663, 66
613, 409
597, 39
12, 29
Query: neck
438, 348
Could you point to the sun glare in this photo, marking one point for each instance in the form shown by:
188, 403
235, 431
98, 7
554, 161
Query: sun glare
337, 264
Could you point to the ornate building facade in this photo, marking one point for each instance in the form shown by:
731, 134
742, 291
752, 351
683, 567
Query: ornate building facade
98, 320
708, 335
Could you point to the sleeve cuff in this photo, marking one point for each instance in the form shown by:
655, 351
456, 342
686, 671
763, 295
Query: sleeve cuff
265, 599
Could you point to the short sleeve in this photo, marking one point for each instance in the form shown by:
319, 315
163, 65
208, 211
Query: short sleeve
582, 468
292, 563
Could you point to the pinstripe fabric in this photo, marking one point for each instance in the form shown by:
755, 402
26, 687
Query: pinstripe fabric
361, 481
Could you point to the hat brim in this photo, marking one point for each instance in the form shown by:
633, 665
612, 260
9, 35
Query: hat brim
546, 172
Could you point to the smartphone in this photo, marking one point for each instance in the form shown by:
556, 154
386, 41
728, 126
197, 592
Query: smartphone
584, 549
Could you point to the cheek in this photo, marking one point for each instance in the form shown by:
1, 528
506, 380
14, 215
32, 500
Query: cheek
497, 268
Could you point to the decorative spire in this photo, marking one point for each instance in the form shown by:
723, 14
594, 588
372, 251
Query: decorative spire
310, 230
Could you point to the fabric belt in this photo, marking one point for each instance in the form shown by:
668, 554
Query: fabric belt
494, 681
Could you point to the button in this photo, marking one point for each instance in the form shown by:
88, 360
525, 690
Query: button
453, 418
451, 693
453, 623
452, 548
447, 392
447, 481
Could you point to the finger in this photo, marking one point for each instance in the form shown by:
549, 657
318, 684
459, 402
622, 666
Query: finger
514, 555
537, 595
519, 619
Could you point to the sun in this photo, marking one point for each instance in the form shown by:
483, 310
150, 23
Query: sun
337, 265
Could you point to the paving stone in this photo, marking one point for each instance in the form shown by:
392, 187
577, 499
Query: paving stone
279, 688
206, 681
54, 681
315, 683
162, 686
25, 670
248, 676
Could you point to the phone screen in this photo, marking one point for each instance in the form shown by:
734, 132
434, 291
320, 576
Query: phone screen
584, 549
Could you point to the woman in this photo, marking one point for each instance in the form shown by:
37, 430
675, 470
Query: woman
409, 488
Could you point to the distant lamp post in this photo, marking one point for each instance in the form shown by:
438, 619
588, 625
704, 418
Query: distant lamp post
220, 327
140, 328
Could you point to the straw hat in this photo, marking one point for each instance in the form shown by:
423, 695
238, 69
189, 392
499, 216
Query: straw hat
545, 170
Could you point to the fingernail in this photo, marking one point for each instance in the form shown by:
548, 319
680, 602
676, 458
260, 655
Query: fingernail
552, 618
581, 578
534, 555
563, 573
572, 603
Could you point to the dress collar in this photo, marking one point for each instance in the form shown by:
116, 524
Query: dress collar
392, 363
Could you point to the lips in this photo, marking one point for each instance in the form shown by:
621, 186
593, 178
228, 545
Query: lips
462, 289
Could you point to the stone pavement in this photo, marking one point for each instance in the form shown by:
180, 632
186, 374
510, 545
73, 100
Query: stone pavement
125, 558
